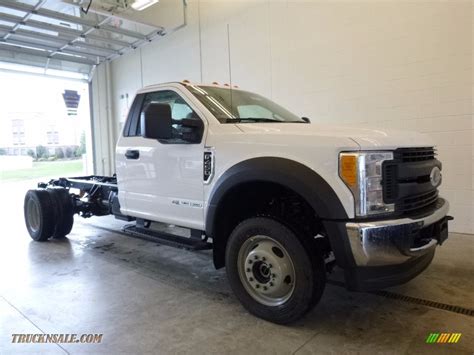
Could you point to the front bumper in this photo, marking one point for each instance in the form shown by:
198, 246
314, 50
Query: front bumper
396, 241
384, 253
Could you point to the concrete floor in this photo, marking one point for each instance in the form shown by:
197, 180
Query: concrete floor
148, 298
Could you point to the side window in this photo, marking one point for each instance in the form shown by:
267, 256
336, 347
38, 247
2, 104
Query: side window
130, 128
179, 110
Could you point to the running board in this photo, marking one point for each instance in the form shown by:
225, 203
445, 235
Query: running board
172, 240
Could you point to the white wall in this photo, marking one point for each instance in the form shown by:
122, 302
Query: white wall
399, 64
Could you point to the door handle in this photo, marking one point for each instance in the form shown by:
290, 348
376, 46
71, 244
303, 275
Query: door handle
132, 154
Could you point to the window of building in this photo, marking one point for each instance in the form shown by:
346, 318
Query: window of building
18, 131
52, 134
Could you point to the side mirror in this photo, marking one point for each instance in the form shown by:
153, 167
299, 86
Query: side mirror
306, 119
191, 129
156, 121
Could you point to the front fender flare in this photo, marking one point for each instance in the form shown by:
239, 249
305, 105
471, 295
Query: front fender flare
288, 173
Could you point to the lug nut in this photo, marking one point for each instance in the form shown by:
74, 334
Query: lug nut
271, 284
265, 288
270, 266
273, 275
257, 286
256, 257
250, 261
263, 258
248, 269
250, 278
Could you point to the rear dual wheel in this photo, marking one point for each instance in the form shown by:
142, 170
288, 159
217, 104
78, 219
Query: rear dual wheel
48, 213
64, 212
275, 275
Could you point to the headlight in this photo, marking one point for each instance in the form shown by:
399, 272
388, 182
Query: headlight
362, 173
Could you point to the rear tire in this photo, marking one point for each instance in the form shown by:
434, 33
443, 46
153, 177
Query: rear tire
273, 273
39, 215
63, 212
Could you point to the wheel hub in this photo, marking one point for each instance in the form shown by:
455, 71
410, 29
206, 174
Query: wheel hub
261, 272
33, 215
266, 270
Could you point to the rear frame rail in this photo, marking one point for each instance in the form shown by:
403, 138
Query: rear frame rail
98, 196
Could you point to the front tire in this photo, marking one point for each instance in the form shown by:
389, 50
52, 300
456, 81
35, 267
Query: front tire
275, 275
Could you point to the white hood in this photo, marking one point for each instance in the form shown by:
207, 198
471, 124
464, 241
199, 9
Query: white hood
366, 138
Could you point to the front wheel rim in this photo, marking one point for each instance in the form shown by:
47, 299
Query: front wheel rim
266, 270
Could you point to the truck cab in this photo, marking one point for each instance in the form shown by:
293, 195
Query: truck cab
278, 199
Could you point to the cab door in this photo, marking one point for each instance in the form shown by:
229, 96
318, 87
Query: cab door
162, 180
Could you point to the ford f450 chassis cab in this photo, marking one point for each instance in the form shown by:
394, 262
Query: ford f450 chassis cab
278, 199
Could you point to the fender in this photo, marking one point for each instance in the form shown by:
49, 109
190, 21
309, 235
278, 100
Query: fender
293, 175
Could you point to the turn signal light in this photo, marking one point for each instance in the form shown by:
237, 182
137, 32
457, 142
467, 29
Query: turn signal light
348, 169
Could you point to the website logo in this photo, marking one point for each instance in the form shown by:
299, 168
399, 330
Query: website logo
443, 338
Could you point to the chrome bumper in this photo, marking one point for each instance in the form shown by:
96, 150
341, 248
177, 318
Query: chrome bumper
385, 242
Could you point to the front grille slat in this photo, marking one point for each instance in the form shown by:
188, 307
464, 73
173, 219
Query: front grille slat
417, 202
403, 170
414, 154
390, 190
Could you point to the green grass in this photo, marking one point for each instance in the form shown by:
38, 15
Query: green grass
50, 169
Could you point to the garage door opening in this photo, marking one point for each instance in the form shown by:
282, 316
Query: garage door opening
44, 128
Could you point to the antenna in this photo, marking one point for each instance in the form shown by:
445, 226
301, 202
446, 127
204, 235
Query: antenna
230, 68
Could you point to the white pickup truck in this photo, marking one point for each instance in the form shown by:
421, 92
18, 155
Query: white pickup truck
278, 199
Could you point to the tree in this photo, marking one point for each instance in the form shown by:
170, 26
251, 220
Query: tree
82, 148
41, 152
31, 153
59, 153
69, 152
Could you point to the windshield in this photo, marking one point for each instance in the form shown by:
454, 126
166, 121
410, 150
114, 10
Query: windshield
235, 106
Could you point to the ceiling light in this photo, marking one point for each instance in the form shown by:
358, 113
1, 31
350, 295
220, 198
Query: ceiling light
140, 5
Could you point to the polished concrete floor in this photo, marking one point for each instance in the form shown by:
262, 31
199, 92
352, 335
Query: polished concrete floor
149, 298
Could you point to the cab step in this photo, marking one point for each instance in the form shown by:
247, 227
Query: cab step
194, 242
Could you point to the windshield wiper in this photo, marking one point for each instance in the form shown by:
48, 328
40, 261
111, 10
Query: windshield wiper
257, 119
